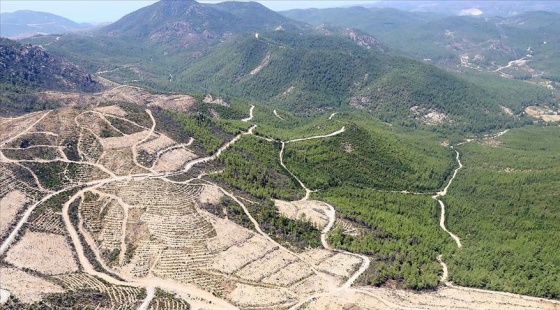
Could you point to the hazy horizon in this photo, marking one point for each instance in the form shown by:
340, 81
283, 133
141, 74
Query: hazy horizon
110, 11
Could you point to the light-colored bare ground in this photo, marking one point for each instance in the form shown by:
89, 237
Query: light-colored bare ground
506, 110
120, 162
173, 160
228, 234
96, 123
451, 298
316, 256
211, 194
215, 100
10, 129
290, 274
46, 253
308, 210
26, 287
254, 296
240, 255
551, 118
160, 142
266, 266
4, 296
546, 114
123, 93
278, 115
250, 114
112, 109
341, 264
262, 65
318, 283
442, 205
10, 204
124, 141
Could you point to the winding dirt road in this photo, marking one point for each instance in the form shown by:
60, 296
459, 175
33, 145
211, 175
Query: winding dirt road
208, 300
442, 205
277, 115
331, 215
150, 294
250, 114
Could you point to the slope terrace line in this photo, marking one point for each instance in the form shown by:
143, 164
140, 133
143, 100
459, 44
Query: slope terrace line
343, 129
142, 283
197, 161
307, 190
258, 227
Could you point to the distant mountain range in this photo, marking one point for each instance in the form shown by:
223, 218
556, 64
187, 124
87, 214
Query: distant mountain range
530, 41
26, 23
468, 7
245, 50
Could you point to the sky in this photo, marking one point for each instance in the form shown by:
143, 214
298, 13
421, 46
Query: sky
86, 11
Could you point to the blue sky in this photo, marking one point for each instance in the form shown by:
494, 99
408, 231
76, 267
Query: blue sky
107, 11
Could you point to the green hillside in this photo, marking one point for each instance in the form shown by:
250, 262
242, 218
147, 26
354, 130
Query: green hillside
504, 206
318, 73
489, 42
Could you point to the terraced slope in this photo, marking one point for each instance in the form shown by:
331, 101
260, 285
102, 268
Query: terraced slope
139, 234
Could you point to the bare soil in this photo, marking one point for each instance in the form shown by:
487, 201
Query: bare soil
46, 253
26, 287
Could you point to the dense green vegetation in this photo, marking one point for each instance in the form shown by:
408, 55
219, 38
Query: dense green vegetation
504, 207
16, 99
307, 74
400, 234
252, 165
441, 39
371, 155
292, 126
317, 73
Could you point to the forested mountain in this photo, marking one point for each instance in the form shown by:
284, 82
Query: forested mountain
27, 23
529, 39
236, 158
307, 73
207, 48
184, 23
